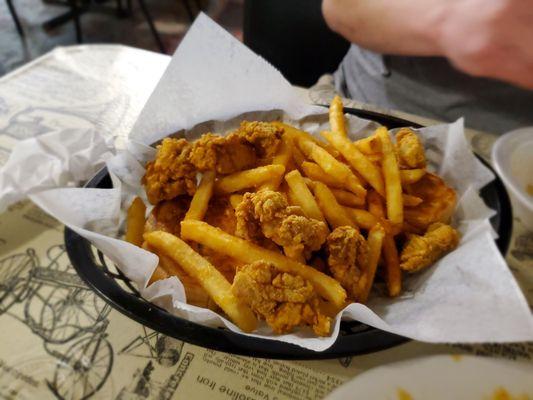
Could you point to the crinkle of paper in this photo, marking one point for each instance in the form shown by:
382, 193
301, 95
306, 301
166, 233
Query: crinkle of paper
468, 296
55, 159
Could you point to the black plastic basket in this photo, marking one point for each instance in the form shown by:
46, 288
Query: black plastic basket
354, 337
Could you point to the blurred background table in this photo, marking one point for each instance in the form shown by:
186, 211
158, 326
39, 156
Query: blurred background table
30, 28
59, 340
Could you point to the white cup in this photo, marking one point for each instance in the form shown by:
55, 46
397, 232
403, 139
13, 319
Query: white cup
512, 157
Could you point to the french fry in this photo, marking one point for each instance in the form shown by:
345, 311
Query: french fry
336, 116
235, 200
303, 196
393, 273
375, 204
315, 173
362, 218
343, 197
284, 153
291, 165
365, 220
283, 157
248, 179
158, 275
375, 158
297, 156
332, 166
368, 170
194, 292
240, 249
411, 201
409, 176
291, 198
201, 197
296, 134
391, 173
135, 222
326, 161
329, 309
374, 241
348, 199
335, 214
369, 145
206, 274
160, 272
354, 185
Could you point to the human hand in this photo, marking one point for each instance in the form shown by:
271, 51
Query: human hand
489, 38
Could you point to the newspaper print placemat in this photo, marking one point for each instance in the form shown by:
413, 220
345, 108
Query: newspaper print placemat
60, 340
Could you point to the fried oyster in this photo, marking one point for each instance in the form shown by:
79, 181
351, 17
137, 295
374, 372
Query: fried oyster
283, 300
438, 203
170, 174
422, 251
347, 257
267, 214
409, 149
173, 172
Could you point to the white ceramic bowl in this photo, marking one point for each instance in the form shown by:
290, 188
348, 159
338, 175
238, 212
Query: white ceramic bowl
512, 157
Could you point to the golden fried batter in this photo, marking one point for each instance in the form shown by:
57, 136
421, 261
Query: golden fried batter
170, 175
421, 251
348, 252
263, 136
220, 214
410, 150
248, 227
237, 151
438, 202
173, 172
167, 215
283, 300
225, 155
300, 236
267, 214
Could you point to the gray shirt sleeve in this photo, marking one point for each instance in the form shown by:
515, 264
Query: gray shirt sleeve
431, 87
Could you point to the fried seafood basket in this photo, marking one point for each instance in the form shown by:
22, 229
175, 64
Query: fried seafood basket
113, 286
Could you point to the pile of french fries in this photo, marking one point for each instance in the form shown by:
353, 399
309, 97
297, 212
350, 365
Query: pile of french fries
336, 180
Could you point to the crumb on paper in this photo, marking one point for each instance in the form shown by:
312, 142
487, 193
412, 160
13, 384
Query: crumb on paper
457, 357
502, 394
403, 394
529, 189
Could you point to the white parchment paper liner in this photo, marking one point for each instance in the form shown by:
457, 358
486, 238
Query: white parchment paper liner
468, 296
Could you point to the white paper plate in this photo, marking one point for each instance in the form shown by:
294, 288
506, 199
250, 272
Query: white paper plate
442, 377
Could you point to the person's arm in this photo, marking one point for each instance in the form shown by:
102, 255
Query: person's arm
490, 38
